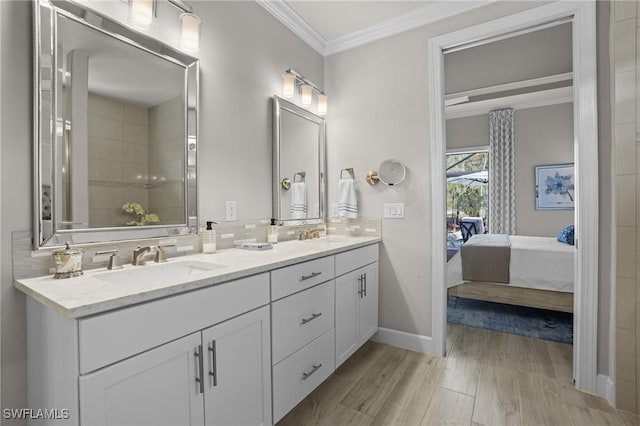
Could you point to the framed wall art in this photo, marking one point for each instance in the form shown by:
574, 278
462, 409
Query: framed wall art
555, 187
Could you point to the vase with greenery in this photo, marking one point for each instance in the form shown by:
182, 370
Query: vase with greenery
140, 217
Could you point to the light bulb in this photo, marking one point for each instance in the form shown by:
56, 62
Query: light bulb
306, 95
322, 104
189, 32
288, 85
141, 14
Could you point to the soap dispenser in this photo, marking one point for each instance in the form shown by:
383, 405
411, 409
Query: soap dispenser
209, 238
272, 233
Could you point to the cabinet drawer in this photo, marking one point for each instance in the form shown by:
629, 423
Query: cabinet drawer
300, 318
354, 259
107, 338
296, 376
294, 278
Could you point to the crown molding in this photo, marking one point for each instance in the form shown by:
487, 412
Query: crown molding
283, 13
419, 17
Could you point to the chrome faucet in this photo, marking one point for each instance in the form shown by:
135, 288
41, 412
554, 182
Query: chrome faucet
138, 255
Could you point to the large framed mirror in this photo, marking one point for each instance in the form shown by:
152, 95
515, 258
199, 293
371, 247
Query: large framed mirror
115, 131
299, 164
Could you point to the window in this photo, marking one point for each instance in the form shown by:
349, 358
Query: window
467, 186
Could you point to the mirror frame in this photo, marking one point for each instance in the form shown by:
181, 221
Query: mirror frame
282, 104
46, 125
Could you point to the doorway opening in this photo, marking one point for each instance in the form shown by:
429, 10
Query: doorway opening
582, 18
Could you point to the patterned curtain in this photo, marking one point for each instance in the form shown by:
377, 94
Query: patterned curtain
502, 180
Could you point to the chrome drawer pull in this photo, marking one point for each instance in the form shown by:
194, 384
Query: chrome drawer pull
315, 368
199, 368
313, 274
365, 285
213, 372
361, 292
313, 316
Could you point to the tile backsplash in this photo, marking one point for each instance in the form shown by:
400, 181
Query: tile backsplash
28, 263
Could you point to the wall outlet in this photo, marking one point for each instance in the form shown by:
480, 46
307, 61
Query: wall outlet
232, 211
394, 210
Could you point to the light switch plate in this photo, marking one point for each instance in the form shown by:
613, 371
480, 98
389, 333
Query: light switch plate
393, 211
232, 211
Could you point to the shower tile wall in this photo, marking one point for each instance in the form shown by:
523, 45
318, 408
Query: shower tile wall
627, 152
135, 155
166, 161
118, 159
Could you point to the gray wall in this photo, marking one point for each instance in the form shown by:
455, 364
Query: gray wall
379, 109
543, 136
536, 54
243, 55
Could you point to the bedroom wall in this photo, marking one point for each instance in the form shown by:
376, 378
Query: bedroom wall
543, 136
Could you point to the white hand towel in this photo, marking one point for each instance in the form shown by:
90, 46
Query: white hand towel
347, 202
298, 200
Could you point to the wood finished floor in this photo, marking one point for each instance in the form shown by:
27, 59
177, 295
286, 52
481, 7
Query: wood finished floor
488, 378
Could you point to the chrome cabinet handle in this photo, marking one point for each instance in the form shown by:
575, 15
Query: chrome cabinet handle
213, 372
361, 282
315, 368
313, 274
311, 318
365, 285
199, 368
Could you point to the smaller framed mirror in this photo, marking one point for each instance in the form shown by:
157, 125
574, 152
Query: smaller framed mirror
299, 164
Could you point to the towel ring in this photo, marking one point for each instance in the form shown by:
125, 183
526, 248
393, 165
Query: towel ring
348, 170
302, 175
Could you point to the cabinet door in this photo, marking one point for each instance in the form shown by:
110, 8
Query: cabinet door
347, 300
368, 312
237, 370
157, 387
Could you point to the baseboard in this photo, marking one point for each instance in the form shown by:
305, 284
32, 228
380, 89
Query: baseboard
605, 388
401, 339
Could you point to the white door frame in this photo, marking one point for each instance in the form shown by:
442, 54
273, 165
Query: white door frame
585, 157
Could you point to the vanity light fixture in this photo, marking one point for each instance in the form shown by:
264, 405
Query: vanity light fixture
322, 104
291, 79
141, 13
288, 85
306, 95
189, 32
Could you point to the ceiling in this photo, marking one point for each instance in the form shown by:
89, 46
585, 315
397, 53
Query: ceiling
333, 19
332, 26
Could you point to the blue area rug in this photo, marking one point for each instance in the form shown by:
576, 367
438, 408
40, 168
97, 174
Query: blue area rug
532, 322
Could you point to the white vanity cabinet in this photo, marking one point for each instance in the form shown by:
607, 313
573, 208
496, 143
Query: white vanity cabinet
356, 300
239, 352
201, 357
220, 376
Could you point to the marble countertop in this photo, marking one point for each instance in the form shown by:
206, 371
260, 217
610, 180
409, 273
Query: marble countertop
88, 294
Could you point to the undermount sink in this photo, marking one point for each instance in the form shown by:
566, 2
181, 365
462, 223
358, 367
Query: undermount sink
152, 273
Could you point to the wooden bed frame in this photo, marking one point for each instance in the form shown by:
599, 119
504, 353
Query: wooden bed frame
505, 293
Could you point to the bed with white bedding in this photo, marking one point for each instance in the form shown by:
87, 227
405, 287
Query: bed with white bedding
540, 275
